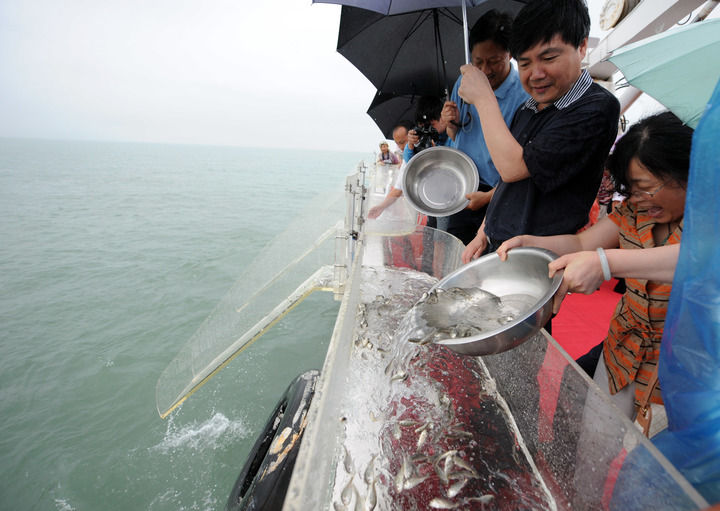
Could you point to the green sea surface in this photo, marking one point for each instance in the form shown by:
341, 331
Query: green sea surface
111, 256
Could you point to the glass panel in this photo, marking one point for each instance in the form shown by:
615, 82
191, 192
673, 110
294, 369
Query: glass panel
416, 427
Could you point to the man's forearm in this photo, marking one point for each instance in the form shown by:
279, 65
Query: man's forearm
505, 151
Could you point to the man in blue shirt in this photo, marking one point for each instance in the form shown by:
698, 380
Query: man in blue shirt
489, 44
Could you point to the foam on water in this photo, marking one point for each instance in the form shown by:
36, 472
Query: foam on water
63, 505
216, 432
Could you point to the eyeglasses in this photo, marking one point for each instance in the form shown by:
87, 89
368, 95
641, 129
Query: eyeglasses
640, 194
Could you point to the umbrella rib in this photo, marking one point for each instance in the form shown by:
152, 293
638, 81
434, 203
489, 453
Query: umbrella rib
425, 14
450, 15
421, 18
439, 56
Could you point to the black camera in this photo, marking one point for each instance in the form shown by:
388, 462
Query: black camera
428, 136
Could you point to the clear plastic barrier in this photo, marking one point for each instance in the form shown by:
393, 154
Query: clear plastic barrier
296, 263
399, 217
397, 425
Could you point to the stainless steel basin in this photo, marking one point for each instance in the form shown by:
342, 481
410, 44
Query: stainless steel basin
437, 179
521, 282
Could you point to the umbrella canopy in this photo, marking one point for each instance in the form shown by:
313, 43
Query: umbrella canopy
393, 7
387, 110
678, 68
413, 53
401, 6
408, 55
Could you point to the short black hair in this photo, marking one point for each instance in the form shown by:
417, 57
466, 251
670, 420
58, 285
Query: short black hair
492, 26
428, 109
540, 20
661, 143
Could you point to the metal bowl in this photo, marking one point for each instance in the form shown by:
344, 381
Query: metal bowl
522, 281
437, 179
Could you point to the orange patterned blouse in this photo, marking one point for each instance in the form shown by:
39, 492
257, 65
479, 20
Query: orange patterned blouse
632, 347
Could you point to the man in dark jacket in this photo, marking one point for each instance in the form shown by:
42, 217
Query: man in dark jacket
551, 158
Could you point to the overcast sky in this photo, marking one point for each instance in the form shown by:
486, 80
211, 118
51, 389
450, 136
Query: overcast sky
222, 72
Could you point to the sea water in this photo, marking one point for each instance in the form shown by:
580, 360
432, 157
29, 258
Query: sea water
111, 256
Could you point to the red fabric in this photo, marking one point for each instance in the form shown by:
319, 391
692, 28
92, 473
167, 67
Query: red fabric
549, 378
613, 473
593, 216
583, 320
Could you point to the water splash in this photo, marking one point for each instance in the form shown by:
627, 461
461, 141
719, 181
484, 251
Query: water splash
459, 312
63, 505
211, 434
422, 422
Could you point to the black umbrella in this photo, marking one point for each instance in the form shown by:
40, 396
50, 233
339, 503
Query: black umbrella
387, 110
412, 53
393, 7
408, 55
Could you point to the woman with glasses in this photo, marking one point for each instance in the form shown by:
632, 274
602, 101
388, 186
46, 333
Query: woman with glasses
639, 241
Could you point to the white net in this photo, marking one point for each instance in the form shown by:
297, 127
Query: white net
296, 263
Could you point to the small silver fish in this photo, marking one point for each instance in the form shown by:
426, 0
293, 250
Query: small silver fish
389, 367
419, 458
440, 503
431, 298
459, 434
482, 500
422, 428
412, 482
451, 453
399, 480
464, 465
347, 462
456, 488
441, 475
346, 494
408, 469
369, 475
399, 376
429, 337
448, 465
371, 499
447, 457
422, 438
463, 474
407, 423
339, 507
396, 431
359, 503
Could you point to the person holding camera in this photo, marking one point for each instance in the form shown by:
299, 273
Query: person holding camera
489, 46
429, 130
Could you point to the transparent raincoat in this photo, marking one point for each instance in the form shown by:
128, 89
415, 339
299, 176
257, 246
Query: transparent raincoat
689, 368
